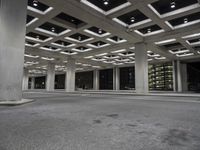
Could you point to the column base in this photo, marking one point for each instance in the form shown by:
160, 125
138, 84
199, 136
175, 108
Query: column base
15, 103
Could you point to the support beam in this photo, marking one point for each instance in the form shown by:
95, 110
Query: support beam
12, 41
70, 75
96, 79
50, 81
25, 80
141, 68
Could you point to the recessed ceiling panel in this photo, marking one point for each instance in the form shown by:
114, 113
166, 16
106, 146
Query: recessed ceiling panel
132, 17
107, 5
166, 6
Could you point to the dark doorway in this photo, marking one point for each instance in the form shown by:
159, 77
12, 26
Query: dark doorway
84, 80
127, 78
106, 79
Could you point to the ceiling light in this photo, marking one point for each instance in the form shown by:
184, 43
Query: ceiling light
132, 19
149, 30
100, 31
53, 29
106, 2
38, 37
185, 20
173, 4
79, 38
35, 3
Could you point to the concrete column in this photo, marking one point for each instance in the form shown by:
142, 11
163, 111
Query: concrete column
33, 83
179, 76
12, 45
96, 79
116, 82
50, 80
70, 75
25, 80
141, 68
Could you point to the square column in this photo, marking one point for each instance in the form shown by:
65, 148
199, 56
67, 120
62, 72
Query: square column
25, 80
33, 83
179, 76
70, 75
116, 82
141, 68
96, 79
50, 81
12, 44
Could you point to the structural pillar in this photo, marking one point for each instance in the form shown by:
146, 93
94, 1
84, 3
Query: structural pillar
116, 81
70, 75
96, 79
25, 80
141, 68
179, 76
50, 81
12, 45
33, 83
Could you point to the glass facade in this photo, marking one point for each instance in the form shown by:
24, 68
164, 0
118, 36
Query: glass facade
106, 79
127, 78
84, 80
60, 81
193, 71
40, 82
161, 77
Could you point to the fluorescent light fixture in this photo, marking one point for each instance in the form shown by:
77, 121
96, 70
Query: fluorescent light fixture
122, 60
78, 50
31, 56
39, 11
133, 25
96, 66
160, 58
150, 33
48, 58
184, 54
101, 46
95, 34
29, 45
108, 61
98, 59
132, 54
38, 40
51, 32
179, 51
75, 40
68, 53
118, 51
114, 57
88, 57
116, 42
117, 63
194, 43
49, 49
191, 36
165, 41
32, 62
60, 45
102, 54
31, 22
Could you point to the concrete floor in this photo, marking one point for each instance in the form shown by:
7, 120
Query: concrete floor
101, 122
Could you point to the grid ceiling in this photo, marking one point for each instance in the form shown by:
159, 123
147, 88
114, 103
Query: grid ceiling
101, 34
